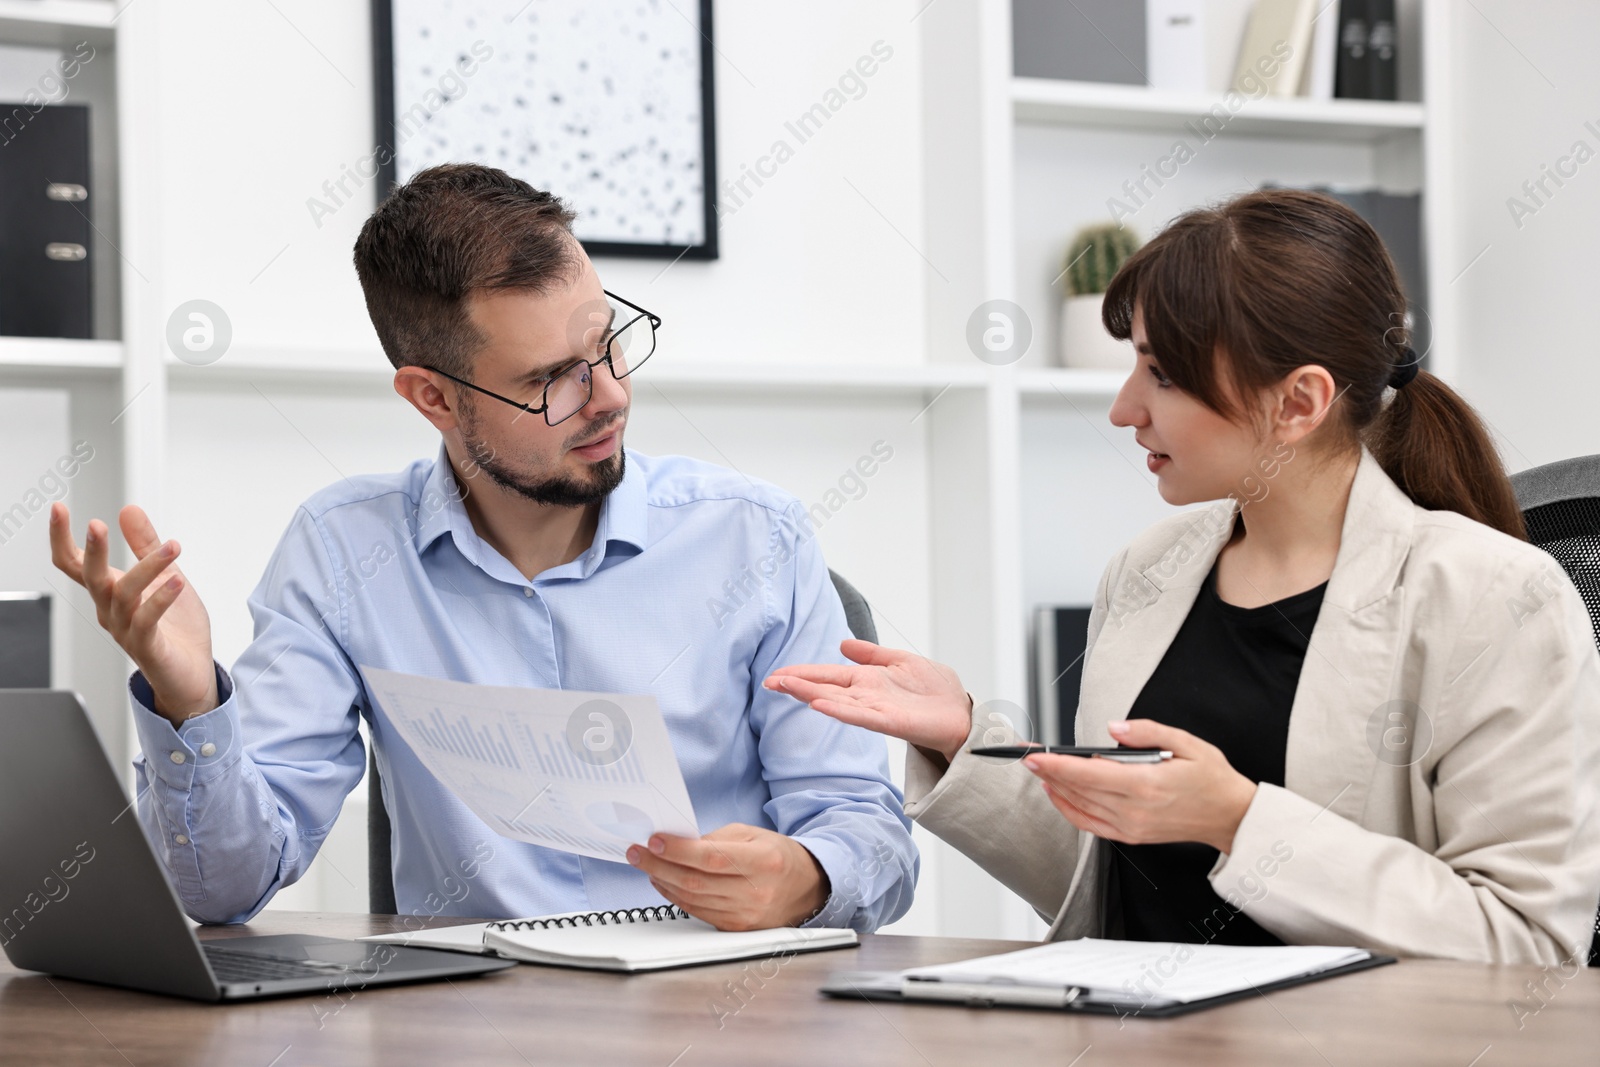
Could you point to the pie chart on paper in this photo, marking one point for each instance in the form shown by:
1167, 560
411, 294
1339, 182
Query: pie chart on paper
619, 820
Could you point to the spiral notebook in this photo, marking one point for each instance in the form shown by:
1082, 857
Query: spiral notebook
629, 939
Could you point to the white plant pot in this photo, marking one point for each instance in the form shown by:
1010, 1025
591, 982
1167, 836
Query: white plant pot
1084, 341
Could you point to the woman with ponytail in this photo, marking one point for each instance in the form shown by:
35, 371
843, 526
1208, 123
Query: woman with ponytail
1383, 703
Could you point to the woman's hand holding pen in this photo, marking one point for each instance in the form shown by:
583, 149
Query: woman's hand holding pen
888, 691
1195, 796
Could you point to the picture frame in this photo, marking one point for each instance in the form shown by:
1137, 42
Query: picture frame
622, 126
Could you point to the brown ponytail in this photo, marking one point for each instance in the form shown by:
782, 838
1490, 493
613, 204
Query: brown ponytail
1276, 279
1434, 446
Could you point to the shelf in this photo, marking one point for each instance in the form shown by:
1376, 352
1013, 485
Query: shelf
1043, 101
56, 353
1071, 383
58, 23
358, 368
822, 378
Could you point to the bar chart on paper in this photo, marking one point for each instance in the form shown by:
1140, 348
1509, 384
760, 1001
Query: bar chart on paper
458, 736
450, 729
517, 759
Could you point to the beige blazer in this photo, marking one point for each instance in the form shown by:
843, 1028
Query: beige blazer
1442, 780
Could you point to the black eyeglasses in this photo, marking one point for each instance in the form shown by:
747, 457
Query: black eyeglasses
569, 390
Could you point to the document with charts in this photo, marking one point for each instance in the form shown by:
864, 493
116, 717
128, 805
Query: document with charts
590, 773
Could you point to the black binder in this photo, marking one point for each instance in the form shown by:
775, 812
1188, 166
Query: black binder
1353, 71
1382, 80
45, 221
1368, 42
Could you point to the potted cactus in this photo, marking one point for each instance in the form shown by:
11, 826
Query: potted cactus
1096, 254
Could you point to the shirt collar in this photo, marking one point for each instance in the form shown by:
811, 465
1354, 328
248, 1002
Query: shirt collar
624, 515
440, 510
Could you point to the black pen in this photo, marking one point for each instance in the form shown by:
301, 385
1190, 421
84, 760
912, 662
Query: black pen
1117, 754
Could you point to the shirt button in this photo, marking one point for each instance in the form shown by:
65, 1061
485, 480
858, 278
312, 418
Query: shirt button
208, 749
180, 839
527, 591
178, 757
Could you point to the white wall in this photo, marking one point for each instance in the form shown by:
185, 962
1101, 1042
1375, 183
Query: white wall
1527, 83
257, 120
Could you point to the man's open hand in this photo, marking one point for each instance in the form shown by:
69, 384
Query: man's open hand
150, 610
736, 878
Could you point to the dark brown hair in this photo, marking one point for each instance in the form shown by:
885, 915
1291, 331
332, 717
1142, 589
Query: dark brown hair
450, 230
1280, 278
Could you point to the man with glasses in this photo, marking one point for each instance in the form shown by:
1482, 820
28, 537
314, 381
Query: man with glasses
535, 551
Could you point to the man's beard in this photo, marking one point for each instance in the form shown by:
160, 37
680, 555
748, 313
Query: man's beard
562, 491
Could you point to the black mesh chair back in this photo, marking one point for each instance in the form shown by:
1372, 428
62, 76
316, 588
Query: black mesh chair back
1561, 504
380, 866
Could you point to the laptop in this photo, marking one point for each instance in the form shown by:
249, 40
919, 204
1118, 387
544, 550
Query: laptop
82, 894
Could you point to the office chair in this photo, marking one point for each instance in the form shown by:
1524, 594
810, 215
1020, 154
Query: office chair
380, 868
1561, 504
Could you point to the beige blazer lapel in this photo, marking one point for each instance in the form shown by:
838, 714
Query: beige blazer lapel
1342, 703
1143, 616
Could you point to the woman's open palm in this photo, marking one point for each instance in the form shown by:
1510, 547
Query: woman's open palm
888, 691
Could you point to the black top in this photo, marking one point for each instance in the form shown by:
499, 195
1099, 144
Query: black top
1229, 678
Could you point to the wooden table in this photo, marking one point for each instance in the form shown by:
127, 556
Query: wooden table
1415, 1012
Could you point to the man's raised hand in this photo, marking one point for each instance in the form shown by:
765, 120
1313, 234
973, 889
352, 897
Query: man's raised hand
151, 610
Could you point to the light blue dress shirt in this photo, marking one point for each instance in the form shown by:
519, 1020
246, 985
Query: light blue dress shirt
698, 584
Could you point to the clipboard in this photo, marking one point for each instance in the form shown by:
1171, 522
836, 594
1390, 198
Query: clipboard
889, 985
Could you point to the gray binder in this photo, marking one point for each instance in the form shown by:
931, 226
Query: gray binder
1087, 40
24, 640
1060, 638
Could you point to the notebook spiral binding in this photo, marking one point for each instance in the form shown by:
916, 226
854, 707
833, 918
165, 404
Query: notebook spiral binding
659, 913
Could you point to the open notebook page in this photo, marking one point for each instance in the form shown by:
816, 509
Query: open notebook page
465, 938
648, 946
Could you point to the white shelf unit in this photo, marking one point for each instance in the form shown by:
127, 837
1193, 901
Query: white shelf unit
373, 368
58, 23
1039, 101
60, 354
1070, 382
1013, 167
99, 376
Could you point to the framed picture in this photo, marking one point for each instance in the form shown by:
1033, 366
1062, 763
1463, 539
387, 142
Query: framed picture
609, 104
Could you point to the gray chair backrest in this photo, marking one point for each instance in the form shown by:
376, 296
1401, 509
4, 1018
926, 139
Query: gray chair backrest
857, 613
1561, 505
380, 864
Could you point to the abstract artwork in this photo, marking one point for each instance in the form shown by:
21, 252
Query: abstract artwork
609, 104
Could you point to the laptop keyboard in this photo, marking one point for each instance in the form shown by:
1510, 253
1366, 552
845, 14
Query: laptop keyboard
234, 966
